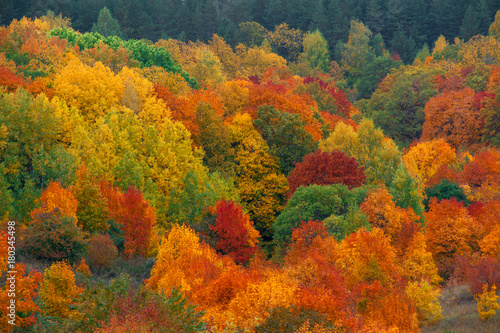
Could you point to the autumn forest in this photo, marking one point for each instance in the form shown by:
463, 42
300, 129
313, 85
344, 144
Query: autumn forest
270, 177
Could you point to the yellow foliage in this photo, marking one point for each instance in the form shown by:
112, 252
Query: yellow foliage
480, 49
424, 159
174, 81
257, 60
490, 244
184, 261
487, 302
136, 89
418, 264
58, 291
207, 69
439, 45
92, 90
251, 307
425, 297
234, 94
378, 154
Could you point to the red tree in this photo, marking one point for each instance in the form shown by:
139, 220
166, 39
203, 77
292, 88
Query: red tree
324, 168
138, 219
236, 234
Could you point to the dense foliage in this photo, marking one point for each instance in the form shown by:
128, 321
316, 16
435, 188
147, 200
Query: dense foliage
291, 173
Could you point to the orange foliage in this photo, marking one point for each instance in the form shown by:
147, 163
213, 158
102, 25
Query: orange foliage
182, 108
450, 231
83, 268
138, 219
10, 80
443, 172
276, 96
453, 116
55, 196
23, 293
367, 256
383, 213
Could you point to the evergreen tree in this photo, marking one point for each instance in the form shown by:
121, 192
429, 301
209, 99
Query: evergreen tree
375, 16
106, 25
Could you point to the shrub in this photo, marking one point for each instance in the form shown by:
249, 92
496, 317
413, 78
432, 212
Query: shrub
101, 251
53, 236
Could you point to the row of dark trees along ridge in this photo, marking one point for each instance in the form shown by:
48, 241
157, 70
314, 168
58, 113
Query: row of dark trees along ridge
405, 25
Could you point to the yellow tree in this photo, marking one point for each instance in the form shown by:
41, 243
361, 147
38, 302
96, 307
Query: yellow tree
58, 291
261, 185
424, 159
92, 90
183, 261
368, 145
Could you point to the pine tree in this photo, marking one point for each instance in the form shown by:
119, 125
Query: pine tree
107, 25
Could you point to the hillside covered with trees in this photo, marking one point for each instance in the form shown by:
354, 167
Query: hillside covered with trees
253, 179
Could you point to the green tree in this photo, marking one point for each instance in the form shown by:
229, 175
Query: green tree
315, 202
494, 30
261, 185
378, 155
251, 34
107, 25
357, 49
315, 51
397, 106
285, 135
215, 140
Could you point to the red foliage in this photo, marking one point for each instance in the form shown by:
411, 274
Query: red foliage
405, 235
476, 271
341, 100
138, 219
324, 168
237, 237
475, 208
10, 80
473, 174
443, 172
308, 231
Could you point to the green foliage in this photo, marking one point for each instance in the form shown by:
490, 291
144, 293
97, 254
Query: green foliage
187, 204
53, 236
116, 233
405, 191
445, 190
341, 226
6, 198
147, 55
315, 53
398, 107
285, 135
214, 138
251, 34
129, 172
30, 149
372, 74
107, 25
314, 202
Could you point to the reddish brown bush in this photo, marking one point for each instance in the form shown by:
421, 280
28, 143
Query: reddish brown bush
101, 251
